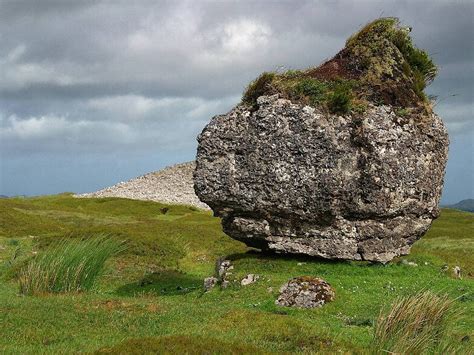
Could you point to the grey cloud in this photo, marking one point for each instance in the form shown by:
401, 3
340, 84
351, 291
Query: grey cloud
129, 123
178, 48
83, 70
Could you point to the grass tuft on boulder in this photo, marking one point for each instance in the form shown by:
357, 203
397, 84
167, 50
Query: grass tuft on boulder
379, 65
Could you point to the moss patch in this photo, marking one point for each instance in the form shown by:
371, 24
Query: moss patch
378, 65
179, 344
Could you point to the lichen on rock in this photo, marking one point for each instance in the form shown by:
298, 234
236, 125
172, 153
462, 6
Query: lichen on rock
301, 170
305, 292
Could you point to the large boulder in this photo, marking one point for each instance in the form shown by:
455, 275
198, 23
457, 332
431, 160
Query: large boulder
286, 173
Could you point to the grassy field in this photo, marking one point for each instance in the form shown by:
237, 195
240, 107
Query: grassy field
150, 296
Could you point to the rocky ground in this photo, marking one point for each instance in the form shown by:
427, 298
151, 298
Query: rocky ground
173, 184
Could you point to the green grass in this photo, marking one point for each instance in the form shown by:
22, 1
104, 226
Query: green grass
68, 266
257, 88
416, 324
335, 96
152, 291
178, 344
340, 100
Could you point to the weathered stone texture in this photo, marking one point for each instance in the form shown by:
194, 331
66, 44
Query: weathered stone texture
292, 179
305, 292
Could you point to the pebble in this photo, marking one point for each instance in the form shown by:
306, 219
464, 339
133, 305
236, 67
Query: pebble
249, 279
457, 272
409, 263
209, 283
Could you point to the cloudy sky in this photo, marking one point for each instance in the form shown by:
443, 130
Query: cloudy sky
96, 92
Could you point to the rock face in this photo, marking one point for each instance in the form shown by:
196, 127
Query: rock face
295, 179
305, 292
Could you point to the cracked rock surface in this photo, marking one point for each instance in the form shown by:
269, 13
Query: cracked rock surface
293, 179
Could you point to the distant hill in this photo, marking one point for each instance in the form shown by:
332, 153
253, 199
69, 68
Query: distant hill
464, 205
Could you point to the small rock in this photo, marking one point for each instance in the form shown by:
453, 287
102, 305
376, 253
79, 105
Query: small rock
225, 284
209, 283
222, 267
457, 272
305, 292
409, 263
270, 289
249, 279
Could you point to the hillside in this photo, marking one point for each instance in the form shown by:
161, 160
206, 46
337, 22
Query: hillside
151, 295
464, 205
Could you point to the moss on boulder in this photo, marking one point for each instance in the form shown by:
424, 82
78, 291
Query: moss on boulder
378, 65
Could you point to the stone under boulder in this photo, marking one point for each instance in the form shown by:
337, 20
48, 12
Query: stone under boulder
305, 292
348, 172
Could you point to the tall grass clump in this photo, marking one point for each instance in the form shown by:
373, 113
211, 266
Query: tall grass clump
416, 324
257, 88
340, 100
68, 266
314, 89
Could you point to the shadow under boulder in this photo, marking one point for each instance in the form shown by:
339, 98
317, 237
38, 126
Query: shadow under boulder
163, 283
